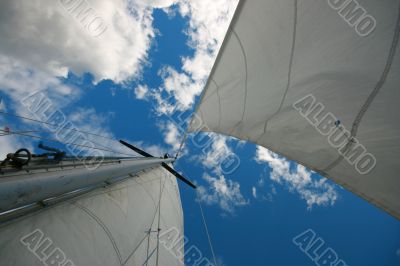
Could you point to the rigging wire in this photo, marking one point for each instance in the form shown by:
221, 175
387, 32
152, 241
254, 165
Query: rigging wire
159, 217
198, 201
28, 131
54, 125
182, 143
147, 233
208, 234
66, 143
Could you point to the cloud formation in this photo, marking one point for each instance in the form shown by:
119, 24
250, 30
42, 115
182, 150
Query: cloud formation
141, 92
225, 193
45, 40
53, 36
208, 24
254, 192
298, 179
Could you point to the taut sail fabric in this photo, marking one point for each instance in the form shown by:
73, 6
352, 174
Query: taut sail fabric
105, 227
331, 57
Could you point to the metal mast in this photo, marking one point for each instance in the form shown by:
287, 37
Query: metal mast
32, 182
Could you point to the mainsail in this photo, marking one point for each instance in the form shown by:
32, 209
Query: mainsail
120, 224
292, 73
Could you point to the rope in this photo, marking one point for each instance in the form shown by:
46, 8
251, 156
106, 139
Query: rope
54, 125
55, 140
208, 234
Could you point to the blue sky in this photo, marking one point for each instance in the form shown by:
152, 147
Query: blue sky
253, 213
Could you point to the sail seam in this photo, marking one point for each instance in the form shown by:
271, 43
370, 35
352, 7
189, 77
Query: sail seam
148, 193
289, 81
219, 102
372, 96
238, 10
246, 71
104, 227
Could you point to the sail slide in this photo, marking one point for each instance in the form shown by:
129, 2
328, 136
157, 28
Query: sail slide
117, 225
317, 82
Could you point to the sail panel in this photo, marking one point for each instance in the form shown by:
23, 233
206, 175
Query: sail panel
279, 52
108, 226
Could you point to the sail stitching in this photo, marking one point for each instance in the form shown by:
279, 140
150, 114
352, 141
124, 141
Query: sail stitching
209, 95
104, 227
116, 189
246, 71
219, 101
147, 192
289, 80
223, 47
374, 93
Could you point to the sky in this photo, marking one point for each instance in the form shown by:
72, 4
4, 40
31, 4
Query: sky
136, 74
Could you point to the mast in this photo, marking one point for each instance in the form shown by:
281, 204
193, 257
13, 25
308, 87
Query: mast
61, 210
36, 186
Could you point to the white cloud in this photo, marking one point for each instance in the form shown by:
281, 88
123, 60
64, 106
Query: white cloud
181, 86
2, 105
42, 41
10, 144
398, 252
141, 92
217, 149
254, 192
215, 152
86, 119
298, 179
209, 21
172, 136
44, 34
18, 80
155, 150
225, 193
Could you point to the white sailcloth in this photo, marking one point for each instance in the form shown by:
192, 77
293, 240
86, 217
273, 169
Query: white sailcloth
344, 56
105, 227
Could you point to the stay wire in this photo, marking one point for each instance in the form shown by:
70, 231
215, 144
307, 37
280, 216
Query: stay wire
148, 233
159, 218
66, 143
54, 125
182, 143
208, 234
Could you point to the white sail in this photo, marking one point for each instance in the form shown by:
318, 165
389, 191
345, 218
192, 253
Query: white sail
108, 226
337, 56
